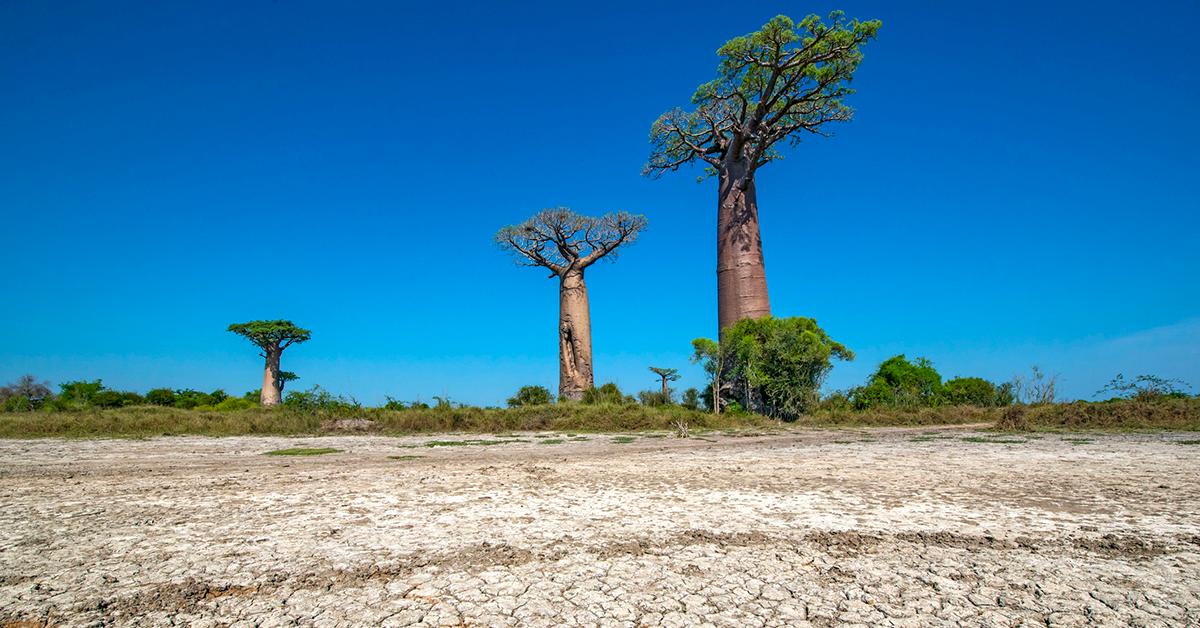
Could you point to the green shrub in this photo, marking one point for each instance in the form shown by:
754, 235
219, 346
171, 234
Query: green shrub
654, 398
25, 394
531, 396
976, 391
899, 383
161, 397
606, 394
691, 399
317, 399
235, 403
772, 366
79, 393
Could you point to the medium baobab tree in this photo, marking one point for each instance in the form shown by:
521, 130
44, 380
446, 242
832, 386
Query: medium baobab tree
566, 243
666, 375
780, 83
272, 337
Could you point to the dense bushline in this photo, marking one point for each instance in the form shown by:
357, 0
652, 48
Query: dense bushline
1164, 413
145, 421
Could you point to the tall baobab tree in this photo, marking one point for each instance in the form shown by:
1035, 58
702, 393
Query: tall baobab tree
272, 337
666, 375
780, 83
566, 243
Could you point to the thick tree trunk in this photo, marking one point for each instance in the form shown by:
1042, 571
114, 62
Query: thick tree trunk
665, 391
271, 392
741, 272
574, 337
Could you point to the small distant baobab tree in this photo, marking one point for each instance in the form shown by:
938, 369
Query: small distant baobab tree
780, 83
666, 375
566, 243
272, 337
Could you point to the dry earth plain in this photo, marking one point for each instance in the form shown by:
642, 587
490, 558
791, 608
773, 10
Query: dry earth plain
871, 527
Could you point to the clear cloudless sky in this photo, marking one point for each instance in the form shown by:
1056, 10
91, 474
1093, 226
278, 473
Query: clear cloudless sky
1019, 187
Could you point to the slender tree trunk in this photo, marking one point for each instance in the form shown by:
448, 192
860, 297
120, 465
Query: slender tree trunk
574, 337
271, 391
741, 272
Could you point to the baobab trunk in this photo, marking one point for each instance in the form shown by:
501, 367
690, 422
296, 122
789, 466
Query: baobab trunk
574, 337
270, 395
741, 272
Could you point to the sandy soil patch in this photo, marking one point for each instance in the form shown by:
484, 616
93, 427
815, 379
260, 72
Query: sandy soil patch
874, 527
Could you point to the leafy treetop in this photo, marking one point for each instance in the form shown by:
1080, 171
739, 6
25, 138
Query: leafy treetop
271, 335
561, 240
782, 81
669, 375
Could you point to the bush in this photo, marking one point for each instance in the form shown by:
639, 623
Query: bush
25, 394
691, 399
1145, 388
1122, 414
899, 383
79, 393
317, 399
607, 393
531, 396
775, 366
107, 399
654, 398
161, 397
976, 391
235, 403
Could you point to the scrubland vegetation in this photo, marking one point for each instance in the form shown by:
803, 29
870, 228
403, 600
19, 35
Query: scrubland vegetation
900, 393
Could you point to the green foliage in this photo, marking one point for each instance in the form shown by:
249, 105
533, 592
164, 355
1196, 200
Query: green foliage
187, 398
899, 383
778, 83
1145, 388
317, 399
691, 399
79, 393
777, 365
666, 374
531, 396
976, 391
235, 403
161, 397
654, 398
303, 451
271, 335
25, 394
607, 393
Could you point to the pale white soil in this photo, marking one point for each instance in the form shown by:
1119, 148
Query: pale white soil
795, 528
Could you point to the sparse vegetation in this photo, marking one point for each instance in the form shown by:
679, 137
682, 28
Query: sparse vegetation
304, 451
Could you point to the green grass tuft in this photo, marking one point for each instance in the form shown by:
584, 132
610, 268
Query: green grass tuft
303, 451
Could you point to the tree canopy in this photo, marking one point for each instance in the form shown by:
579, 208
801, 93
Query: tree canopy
785, 80
561, 240
270, 336
666, 374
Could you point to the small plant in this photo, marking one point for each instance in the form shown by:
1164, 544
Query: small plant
304, 451
623, 440
551, 441
408, 457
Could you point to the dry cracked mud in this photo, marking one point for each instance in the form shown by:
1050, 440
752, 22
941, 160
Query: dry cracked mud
887, 527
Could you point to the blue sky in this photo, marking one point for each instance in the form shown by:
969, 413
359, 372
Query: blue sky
1018, 188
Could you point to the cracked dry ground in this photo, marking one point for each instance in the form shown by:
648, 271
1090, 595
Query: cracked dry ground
879, 527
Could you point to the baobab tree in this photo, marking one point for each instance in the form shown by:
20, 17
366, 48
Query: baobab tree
566, 243
667, 375
272, 337
780, 83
